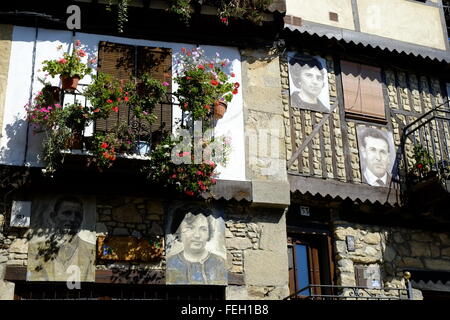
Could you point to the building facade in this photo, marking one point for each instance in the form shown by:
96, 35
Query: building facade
336, 181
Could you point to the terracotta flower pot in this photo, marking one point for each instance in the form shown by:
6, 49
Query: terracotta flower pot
219, 110
69, 83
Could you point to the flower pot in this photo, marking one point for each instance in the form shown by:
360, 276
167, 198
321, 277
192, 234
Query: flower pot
69, 83
219, 110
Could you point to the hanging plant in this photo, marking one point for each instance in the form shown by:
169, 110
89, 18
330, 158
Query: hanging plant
122, 13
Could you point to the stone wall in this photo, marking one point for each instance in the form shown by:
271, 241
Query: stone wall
5, 52
256, 253
393, 249
263, 117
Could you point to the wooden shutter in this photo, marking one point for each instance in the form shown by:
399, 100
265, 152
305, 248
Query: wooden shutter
363, 94
372, 92
117, 60
314, 268
351, 83
158, 63
123, 62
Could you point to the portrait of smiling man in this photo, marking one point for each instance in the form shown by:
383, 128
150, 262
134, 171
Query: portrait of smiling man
376, 151
308, 83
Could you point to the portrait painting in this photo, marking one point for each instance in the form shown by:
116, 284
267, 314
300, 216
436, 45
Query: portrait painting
308, 82
195, 245
62, 243
376, 154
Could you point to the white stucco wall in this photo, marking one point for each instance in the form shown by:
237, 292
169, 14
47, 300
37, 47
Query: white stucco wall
13, 142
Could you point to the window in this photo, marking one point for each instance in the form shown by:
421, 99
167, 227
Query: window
310, 263
363, 93
124, 61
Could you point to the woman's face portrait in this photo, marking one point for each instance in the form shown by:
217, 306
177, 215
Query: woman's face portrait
194, 233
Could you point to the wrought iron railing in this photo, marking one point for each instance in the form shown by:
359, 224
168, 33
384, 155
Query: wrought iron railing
146, 136
431, 131
334, 292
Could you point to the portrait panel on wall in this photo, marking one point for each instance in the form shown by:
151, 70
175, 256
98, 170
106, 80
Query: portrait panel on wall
195, 245
62, 241
376, 154
308, 82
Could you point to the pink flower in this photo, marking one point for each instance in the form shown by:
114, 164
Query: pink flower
201, 67
199, 173
165, 84
62, 61
173, 176
81, 53
213, 181
233, 75
77, 43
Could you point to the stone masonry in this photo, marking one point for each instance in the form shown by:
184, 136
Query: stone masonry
256, 252
393, 249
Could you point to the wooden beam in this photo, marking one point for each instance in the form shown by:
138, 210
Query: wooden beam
311, 136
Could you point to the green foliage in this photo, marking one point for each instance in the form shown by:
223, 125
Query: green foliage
189, 178
182, 8
70, 65
423, 161
105, 94
202, 82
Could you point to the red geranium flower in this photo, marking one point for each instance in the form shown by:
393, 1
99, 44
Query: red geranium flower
115, 109
104, 145
235, 91
214, 82
189, 193
109, 101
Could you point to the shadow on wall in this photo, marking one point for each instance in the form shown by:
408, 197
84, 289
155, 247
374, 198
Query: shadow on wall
12, 151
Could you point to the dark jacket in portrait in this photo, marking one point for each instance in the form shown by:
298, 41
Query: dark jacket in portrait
297, 102
211, 270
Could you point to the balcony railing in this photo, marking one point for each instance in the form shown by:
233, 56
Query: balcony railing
146, 136
430, 132
333, 292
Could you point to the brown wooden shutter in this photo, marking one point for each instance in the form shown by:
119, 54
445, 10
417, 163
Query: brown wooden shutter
158, 63
314, 268
351, 83
372, 92
117, 60
362, 87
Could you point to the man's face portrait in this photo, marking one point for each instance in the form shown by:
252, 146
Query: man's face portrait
376, 151
308, 82
377, 155
68, 215
194, 233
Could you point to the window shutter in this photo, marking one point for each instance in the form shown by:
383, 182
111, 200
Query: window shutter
117, 60
123, 62
351, 83
362, 87
158, 63
372, 92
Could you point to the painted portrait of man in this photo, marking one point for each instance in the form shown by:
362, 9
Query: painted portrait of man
197, 258
377, 155
308, 82
62, 245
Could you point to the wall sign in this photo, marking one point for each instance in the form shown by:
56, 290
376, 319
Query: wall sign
20, 214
